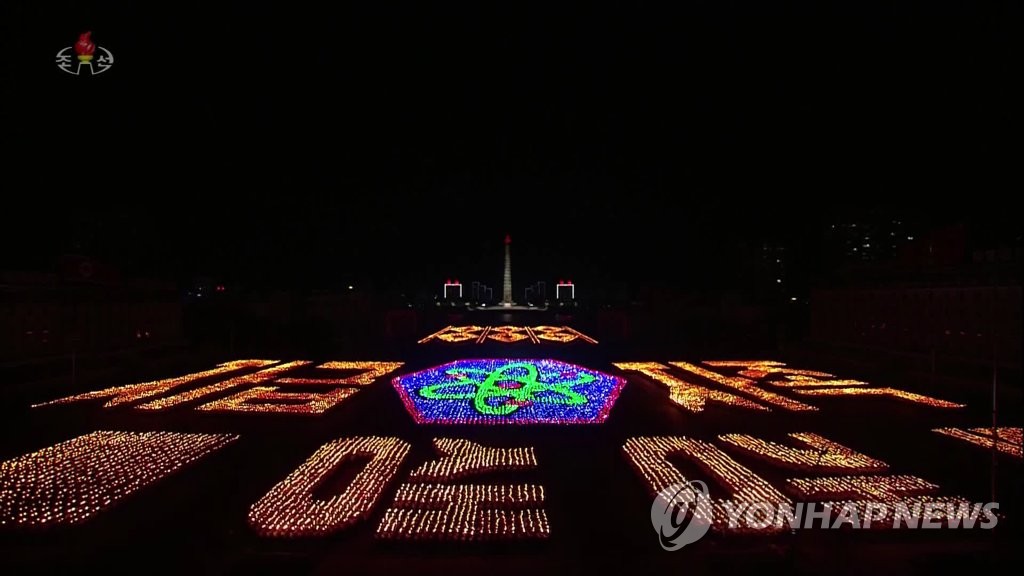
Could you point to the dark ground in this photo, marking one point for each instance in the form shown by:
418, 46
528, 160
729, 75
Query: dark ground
195, 521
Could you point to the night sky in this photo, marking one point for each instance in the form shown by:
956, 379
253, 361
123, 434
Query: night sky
396, 143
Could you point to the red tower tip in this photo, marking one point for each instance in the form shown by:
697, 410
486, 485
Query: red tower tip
508, 238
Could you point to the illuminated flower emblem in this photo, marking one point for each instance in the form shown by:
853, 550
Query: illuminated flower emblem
509, 391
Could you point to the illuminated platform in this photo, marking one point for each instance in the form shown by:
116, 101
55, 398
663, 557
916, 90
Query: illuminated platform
508, 391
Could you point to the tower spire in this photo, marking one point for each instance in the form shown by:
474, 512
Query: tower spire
506, 287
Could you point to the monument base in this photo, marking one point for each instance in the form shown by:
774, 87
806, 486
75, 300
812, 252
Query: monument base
509, 308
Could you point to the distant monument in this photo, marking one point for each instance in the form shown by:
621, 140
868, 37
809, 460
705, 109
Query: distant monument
506, 287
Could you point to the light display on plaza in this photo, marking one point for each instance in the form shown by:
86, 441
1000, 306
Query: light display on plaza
425, 509
1006, 440
746, 386
290, 510
690, 396
281, 400
454, 496
913, 511
508, 391
455, 334
886, 497
256, 396
461, 458
507, 334
466, 512
120, 395
818, 454
367, 373
888, 392
807, 382
253, 379
877, 488
72, 481
559, 334
750, 381
649, 457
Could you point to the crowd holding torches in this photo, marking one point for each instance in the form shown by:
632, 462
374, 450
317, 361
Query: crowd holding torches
461, 458
254, 397
907, 511
454, 334
72, 481
281, 400
878, 488
803, 382
560, 334
746, 386
507, 334
692, 397
819, 454
218, 387
466, 512
892, 392
267, 399
1006, 440
758, 369
649, 458
368, 373
134, 392
289, 510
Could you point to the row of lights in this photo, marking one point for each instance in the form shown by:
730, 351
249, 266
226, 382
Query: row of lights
70, 482
264, 399
454, 334
805, 382
134, 392
1006, 440
819, 454
368, 373
747, 387
256, 399
462, 458
560, 334
508, 334
236, 382
909, 511
891, 392
289, 510
467, 512
648, 455
875, 488
692, 397
812, 382
758, 369
886, 495
799, 381
268, 399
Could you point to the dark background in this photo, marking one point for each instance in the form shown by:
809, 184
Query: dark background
397, 143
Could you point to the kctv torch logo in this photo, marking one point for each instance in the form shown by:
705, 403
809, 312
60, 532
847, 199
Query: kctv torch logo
85, 50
